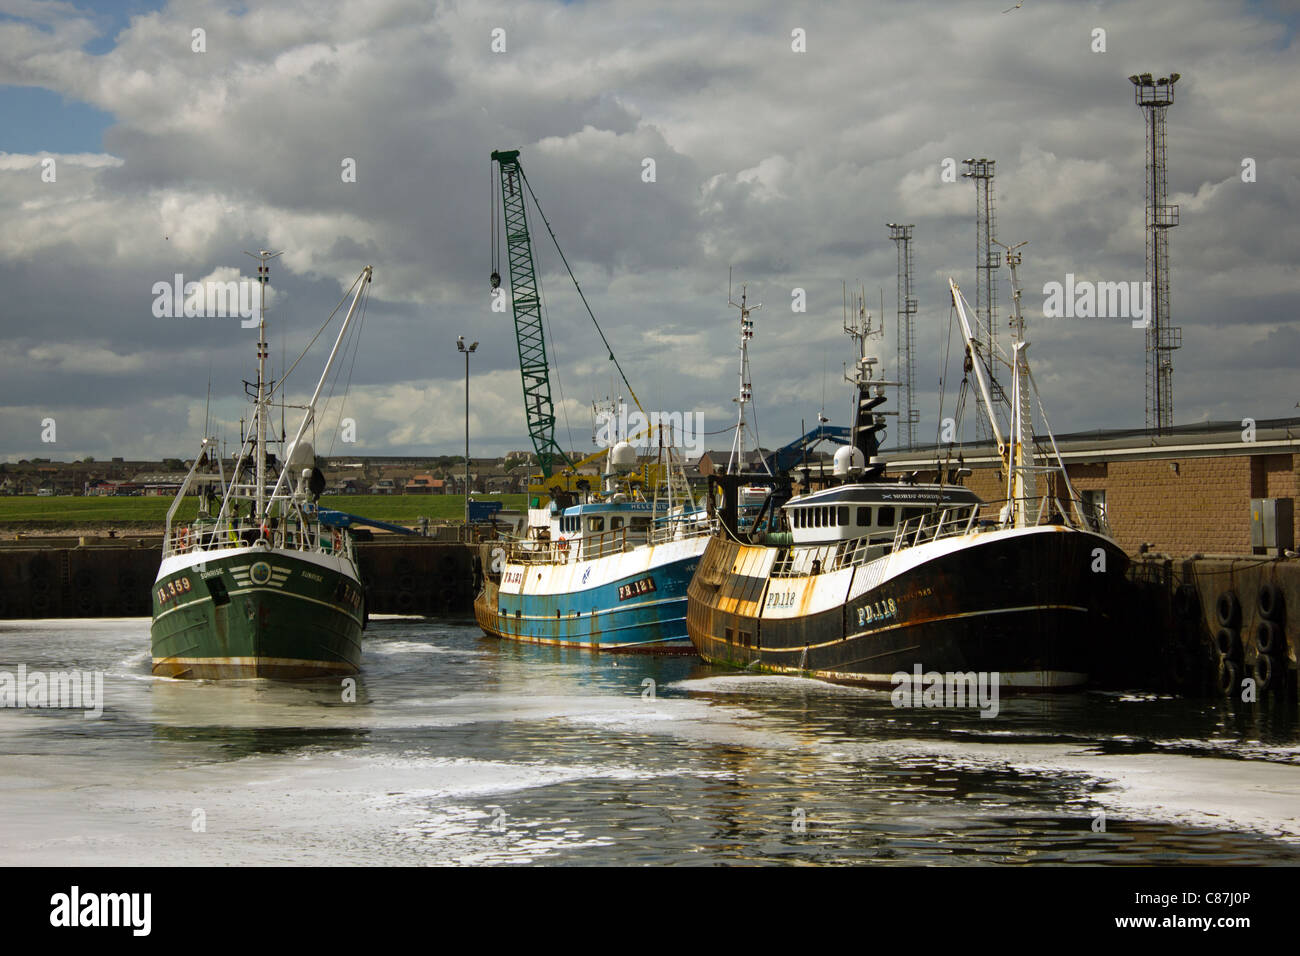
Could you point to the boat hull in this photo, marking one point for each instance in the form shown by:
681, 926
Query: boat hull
248, 612
634, 601
1026, 604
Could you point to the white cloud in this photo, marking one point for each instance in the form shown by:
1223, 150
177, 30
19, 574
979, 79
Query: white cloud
783, 166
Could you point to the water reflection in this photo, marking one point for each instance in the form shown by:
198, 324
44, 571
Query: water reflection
459, 748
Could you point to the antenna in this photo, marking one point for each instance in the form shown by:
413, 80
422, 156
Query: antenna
207, 406
263, 353
736, 461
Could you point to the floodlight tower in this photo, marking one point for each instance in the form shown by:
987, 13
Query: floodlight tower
908, 414
1154, 97
987, 262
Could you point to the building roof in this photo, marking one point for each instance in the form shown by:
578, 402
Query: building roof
1205, 439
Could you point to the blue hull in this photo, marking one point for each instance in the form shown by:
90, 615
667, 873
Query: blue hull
643, 611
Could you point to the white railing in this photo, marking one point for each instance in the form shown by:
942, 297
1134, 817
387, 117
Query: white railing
935, 525
204, 536
949, 522
589, 547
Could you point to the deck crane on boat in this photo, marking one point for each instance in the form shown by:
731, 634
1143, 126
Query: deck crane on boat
526, 302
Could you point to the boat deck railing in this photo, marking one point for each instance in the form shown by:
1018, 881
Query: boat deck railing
955, 521
210, 536
602, 544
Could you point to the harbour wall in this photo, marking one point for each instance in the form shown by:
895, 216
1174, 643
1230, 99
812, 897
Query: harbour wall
1196, 626
1206, 625
111, 577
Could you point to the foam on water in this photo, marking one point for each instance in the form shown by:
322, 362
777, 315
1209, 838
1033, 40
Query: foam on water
460, 749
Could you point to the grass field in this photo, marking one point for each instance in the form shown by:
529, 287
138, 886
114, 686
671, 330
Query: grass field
28, 512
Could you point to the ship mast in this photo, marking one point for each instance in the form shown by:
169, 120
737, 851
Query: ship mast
869, 391
263, 277
362, 283
1021, 481
736, 461
1015, 450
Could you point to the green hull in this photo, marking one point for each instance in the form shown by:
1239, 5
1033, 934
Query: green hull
256, 613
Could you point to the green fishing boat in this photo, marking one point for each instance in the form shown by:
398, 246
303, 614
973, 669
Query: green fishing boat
258, 585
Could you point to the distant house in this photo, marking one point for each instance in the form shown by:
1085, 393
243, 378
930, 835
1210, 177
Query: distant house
384, 486
419, 485
159, 483
504, 484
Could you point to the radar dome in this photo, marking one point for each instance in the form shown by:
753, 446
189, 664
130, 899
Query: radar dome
622, 457
848, 461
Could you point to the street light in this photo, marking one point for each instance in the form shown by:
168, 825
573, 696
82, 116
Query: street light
468, 350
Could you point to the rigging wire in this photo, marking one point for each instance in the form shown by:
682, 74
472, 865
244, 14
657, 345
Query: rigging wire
576, 285
555, 361
284, 378
943, 385
356, 348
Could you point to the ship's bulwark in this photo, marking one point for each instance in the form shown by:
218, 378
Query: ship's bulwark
639, 604
1027, 605
305, 620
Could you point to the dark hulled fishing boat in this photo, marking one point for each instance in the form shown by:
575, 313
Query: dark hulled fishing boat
871, 577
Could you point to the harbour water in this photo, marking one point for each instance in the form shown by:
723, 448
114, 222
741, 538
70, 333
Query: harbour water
459, 749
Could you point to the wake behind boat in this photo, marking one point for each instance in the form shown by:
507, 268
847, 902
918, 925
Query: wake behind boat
257, 585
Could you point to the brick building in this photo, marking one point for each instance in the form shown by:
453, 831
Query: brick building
1184, 492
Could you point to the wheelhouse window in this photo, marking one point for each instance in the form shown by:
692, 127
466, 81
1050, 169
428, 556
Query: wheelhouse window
885, 516
843, 515
596, 524
615, 523
864, 517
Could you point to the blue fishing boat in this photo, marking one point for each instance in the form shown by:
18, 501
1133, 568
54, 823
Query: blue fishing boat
609, 573
605, 569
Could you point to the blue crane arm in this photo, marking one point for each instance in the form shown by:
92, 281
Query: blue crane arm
341, 519
786, 457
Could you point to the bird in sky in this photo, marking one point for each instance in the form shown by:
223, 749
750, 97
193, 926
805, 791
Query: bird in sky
1016, 7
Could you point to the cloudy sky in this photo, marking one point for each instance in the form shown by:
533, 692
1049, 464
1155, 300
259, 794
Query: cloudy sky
783, 166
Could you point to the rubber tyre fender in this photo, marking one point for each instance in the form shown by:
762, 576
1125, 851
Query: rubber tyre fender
1229, 677
1186, 601
1227, 609
1271, 602
1227, 640
1266, 672
1268, 638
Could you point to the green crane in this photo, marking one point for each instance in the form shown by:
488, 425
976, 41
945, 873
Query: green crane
528, 313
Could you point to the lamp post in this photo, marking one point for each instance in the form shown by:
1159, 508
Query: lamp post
468, 350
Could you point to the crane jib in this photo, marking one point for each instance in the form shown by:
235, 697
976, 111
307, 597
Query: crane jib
526, 303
